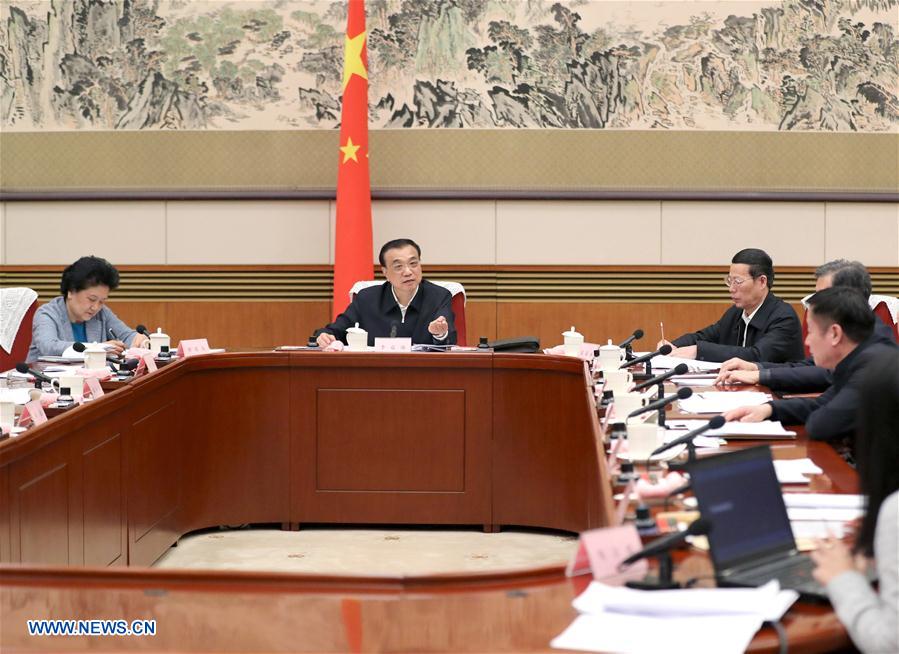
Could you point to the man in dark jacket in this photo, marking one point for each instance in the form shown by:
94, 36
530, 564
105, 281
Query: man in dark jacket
759, 327
804, 376
404, 306
840, 325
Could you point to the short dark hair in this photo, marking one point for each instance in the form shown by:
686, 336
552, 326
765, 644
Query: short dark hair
87, 272
397, 243
845, 307
759, 263
877, 441
854, 275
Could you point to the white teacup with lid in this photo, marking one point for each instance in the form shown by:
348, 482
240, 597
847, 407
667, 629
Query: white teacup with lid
573, 342
356, 339
158, 339
610, 356
94, 356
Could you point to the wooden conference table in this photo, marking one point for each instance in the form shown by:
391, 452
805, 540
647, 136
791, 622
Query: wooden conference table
306, 437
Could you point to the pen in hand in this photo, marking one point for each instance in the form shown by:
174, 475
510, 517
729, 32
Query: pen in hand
662, 330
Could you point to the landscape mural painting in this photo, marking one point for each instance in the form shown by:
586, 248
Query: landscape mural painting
797, 65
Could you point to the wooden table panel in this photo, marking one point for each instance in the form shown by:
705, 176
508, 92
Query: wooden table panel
385, 427
103, 505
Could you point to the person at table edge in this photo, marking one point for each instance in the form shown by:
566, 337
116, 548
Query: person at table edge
804, 376
840, 325
80, 313
405, 305
759, 327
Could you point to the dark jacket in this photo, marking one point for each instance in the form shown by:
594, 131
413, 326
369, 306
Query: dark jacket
375, 309
804, 376
832, 415
774, 334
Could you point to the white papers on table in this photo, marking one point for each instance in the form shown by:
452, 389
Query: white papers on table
617, 619
817, 529
721, 401
794, 471
825, 515
823, 501
694, 380
59, 371
18, 395
764, 429
663, 362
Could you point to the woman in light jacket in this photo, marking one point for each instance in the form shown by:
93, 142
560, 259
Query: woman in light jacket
871, 617
80, 313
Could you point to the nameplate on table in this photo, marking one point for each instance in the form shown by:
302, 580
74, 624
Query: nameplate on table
35, 412
599, 551
393, 344
145, 364
193, 347
93, 385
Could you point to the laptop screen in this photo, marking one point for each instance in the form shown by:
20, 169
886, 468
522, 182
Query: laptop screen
739, 494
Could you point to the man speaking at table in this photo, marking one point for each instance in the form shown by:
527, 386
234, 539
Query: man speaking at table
404, 306
759, 327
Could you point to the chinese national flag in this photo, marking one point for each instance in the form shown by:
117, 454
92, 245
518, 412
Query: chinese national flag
353, 246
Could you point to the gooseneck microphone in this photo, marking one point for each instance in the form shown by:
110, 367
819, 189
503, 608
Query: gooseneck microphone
665, 349
679, 369
715, 423
37, 374
699, 527
142, 329
78, 346
636, 336
660, 404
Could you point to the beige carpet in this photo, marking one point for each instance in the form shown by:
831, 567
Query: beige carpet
390, 552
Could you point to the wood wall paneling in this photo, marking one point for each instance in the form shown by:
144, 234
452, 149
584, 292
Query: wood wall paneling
42, 507
103, 502
310, 499
5, 523
154, 474
397, 459
228, 445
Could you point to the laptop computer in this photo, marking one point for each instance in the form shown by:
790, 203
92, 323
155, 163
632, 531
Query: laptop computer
751, 541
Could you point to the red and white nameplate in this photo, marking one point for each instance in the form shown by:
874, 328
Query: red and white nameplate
393, 344
599, 552
35, 412
193, 347
93, 385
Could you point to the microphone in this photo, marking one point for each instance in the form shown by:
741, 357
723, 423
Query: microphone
636, 336
715, 423
665, 349
699, 527
394, 325
142, 329
682, 394
679, 369
25, 370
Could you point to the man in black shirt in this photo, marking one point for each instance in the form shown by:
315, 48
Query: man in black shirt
404, 306
759, 327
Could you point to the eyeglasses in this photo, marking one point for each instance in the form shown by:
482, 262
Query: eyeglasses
734, 281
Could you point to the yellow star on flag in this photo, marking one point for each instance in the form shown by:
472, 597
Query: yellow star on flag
352, 58
349, 150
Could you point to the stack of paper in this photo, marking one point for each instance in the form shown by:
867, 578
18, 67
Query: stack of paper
663, 362
719, 402
764, 429
794, 471
720, 620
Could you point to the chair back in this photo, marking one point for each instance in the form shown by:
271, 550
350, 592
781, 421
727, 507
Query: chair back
17, 306
458, 303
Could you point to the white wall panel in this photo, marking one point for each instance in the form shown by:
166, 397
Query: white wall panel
59, 232
577, 233
710, 233
247, 232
